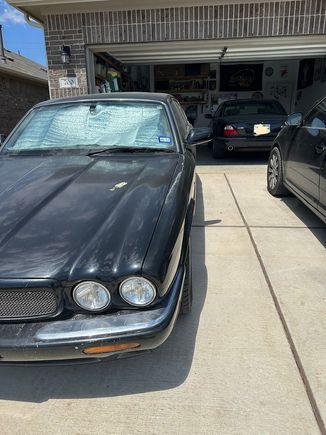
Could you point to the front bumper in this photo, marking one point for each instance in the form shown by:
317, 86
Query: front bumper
67, 339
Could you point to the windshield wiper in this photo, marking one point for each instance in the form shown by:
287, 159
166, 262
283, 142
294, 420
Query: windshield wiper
131, 150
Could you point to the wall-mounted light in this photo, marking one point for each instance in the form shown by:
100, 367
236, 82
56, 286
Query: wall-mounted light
65, 54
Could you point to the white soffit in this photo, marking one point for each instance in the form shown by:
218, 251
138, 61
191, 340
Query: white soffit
223, 50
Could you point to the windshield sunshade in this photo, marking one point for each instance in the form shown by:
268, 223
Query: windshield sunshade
94, 125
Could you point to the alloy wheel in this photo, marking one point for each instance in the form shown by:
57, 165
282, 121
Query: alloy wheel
273, 171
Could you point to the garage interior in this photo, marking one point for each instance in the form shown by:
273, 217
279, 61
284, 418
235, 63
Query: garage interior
202, 74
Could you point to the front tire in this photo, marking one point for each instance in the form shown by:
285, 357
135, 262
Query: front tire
186, 299
219, 151
275, 184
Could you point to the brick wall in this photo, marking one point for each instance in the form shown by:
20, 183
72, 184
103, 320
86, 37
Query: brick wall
17, 97
66, 29
249, 20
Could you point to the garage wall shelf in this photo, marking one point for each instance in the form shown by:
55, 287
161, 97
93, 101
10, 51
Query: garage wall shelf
167, 82
182, 71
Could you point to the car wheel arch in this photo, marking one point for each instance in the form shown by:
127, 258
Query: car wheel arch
279, 147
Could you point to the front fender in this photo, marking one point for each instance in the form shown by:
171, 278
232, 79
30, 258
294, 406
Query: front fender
171, 235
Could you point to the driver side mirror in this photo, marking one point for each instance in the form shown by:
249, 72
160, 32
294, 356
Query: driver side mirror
199, 136
295, 119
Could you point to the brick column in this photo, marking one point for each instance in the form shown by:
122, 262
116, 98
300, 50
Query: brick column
67, 30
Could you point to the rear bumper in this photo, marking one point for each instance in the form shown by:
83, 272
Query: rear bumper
66, 340
263, 143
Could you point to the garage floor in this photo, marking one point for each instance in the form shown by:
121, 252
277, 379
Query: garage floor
250, 359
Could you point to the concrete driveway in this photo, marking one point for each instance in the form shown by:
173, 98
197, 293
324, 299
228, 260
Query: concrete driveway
250, 359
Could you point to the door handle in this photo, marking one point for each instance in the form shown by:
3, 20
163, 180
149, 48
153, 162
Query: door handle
320, 148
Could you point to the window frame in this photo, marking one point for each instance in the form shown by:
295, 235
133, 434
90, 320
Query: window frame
234, 102
187, 126
310, 115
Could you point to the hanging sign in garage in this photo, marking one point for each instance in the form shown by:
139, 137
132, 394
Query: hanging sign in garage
68, 82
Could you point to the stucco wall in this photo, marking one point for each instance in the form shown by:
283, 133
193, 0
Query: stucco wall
275, 18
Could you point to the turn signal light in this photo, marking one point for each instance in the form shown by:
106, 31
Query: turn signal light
229, 130
110, 348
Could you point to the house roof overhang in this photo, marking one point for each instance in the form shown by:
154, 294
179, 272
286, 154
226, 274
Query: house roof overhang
20, 67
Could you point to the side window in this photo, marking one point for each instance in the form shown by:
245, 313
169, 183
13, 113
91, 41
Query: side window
317, 117
180, 117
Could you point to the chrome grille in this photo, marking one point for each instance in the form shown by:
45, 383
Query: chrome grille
27, 303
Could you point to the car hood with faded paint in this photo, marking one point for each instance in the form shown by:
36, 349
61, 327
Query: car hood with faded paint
80, 217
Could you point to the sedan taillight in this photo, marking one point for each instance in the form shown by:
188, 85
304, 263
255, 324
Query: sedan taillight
229, 130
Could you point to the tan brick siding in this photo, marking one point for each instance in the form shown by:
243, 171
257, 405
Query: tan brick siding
68, 30
276, 18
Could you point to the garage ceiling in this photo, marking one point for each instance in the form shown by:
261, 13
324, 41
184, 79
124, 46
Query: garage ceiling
223, 50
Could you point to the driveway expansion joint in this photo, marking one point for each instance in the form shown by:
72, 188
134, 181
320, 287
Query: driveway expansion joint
288, 335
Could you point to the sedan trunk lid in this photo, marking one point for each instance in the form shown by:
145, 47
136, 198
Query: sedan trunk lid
257, 125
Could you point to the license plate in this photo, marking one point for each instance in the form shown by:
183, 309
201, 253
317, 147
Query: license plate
260, 129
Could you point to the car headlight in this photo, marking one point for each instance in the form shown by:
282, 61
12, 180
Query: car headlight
137, 291
91, 295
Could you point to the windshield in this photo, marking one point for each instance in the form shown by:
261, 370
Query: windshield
237, 108
92, 126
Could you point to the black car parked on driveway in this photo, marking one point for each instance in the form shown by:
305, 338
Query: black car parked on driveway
97, 195
246, 125
297, 162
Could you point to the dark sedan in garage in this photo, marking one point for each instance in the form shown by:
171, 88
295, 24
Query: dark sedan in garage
297, 162
246, 125
97, 195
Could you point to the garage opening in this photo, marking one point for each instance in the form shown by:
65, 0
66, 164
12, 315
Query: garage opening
202, 74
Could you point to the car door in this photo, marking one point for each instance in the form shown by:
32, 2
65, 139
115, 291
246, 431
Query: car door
307, 153
322, 197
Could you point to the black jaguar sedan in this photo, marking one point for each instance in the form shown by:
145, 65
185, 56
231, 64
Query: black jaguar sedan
297, 162
97, 196
249, 125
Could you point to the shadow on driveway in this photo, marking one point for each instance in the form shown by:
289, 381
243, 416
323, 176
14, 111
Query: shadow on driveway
243, 158
238, 158
307, 217
164, 368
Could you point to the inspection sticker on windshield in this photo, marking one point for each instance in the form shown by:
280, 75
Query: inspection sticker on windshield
260, 129
164, 139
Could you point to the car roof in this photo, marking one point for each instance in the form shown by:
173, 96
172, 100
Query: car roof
127, 96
